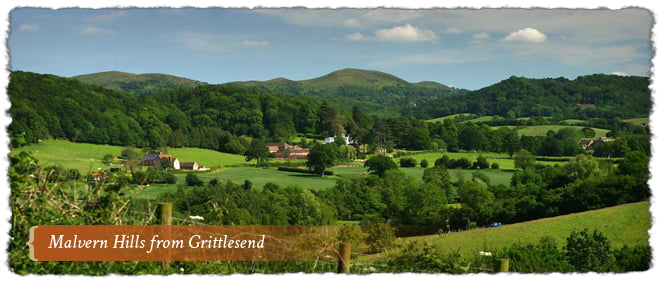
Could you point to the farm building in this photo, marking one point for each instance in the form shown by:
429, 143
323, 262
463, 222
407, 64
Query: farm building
190, 165
281, 149
156, 159
585, 143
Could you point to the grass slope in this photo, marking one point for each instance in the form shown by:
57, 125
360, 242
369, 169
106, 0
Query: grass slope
623, 225
83, 156
541, 130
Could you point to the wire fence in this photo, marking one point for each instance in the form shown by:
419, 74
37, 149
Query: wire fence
318, 266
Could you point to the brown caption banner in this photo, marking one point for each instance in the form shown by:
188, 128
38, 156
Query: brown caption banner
181, 243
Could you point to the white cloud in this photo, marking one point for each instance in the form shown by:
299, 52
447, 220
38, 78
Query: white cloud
620, 73
351, 17
28, 27
526, 35
354, 36
481, 36
109, 17
405, 33
454, 30
215, 43
254, 43
375, 17
352, 22
91, 30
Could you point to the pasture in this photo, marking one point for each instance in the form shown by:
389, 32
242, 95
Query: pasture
623, 225
229, 167
86, 157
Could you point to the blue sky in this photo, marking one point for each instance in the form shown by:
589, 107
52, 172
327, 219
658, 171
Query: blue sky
464, 48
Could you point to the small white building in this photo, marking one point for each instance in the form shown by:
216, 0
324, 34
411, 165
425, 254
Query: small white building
333, 139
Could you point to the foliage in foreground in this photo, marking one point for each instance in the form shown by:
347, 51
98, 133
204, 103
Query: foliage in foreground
584, 252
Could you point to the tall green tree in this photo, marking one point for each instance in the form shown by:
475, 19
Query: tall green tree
524, 159
589, 251
321, 157
257, 150
378, 165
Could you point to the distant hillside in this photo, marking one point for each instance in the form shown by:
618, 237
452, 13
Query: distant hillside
208, 116
597, 95
137, 84
376, 92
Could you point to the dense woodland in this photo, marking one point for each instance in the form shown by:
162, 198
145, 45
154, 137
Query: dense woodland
226, 118
591, 96
241, 120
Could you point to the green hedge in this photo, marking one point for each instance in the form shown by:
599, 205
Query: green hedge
302, 170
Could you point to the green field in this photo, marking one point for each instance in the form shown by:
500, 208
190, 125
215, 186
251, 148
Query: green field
83, 156
623, 225
541, 130
573, 121
502, 159
441, 119
637, 121
228, 167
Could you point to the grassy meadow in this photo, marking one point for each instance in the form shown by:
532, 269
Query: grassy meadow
623, 225
229, 167
83, 156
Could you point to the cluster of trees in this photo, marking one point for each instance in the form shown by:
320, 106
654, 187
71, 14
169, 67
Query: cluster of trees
584, 251
585, 183
209, 116
229, 203
588, 96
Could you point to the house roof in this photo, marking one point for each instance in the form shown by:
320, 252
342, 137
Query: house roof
150, 157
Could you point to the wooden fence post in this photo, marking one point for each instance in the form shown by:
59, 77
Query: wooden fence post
504, 265
344, 257
164, 213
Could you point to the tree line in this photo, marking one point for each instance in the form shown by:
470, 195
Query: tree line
228, 119
589, 96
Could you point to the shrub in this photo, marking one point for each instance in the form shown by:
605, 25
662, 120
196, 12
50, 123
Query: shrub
380, 237
424, 163
495, 166
193, 180
302, 170
408, 162
423, 257
481, 163
589, 252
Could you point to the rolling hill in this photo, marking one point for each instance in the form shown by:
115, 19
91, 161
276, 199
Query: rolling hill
626, 224
376, 92
589, 96
137, 84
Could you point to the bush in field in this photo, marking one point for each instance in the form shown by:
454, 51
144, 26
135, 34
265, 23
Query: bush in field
524, 159
350, 234
378, 165
481, 163
408, 162
540, 258
380, 237
495, 166
421, 256
193, 180
589, 251
424, 163
637, 258
463, 163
